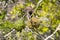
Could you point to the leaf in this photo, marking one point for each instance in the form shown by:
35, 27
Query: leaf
19, 25
44, 29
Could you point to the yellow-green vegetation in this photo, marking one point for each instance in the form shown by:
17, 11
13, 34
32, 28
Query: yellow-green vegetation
48, 13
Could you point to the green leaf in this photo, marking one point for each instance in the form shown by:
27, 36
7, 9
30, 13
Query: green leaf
19, 25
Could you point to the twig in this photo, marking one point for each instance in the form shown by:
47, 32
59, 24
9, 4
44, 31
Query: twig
58, 28
37, 6
38, 34
9, 33
23, 16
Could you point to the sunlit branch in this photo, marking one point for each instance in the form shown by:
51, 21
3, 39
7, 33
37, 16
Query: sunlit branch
58, 28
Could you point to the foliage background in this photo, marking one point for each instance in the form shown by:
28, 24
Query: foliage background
11, 17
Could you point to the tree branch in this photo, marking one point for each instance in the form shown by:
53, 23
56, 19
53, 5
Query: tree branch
58, 28
9, 33
37, 6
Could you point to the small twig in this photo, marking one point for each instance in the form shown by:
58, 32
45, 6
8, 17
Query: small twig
37, 33
23, 16
9, 33
58, 28
37, 6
